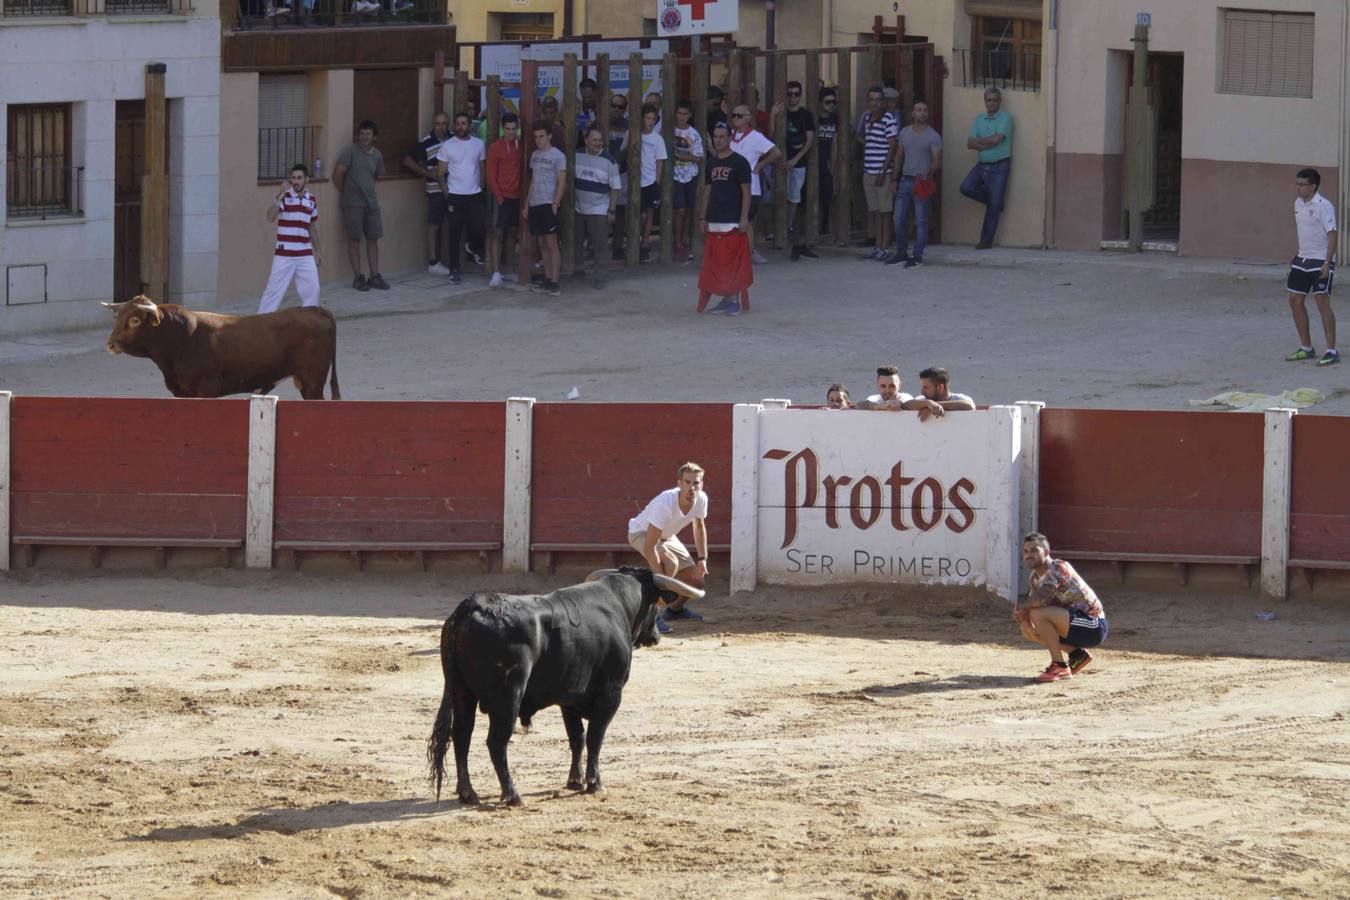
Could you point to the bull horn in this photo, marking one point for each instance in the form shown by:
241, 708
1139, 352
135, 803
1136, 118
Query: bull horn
113, 306
674, 585
148, 305
598, 574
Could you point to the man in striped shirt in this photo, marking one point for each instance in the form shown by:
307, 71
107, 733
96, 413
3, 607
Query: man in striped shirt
297, 254
877, 131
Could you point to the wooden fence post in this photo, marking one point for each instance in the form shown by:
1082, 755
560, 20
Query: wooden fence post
494, 108
843, 143
633, 223
669, 85
778, 63
567, 210
438, 83
529, 100
701, 77
155, 188
810, 229
603, 113
462, 90
735, 79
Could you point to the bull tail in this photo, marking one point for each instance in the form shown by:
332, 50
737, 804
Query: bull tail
441, 732
332, 380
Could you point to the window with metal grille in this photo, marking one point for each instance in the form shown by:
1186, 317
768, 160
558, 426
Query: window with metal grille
39, 178
285, 136
1266, 54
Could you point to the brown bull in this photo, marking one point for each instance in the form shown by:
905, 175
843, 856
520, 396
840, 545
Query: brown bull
204, 354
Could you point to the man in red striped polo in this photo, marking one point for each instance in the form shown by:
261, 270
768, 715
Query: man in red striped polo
297, 253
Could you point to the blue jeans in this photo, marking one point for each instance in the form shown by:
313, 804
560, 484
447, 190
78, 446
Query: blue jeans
904, 195
987, 183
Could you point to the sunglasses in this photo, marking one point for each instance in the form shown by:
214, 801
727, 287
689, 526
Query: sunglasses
740, 115
794, 93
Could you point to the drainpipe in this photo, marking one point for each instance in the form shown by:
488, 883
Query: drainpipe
1051, 87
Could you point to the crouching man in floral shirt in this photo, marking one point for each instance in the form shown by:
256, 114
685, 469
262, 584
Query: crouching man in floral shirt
1061, 612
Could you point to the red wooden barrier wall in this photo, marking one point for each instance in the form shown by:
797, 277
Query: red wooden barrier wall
1319, 514
1152, 482
396, 472
128, 468
597, 465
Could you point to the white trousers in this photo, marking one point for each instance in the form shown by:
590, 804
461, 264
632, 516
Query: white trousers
284, 268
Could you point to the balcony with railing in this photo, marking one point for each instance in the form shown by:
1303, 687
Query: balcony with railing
281, 148
43, 192
1003, 68
285, 14
31, 9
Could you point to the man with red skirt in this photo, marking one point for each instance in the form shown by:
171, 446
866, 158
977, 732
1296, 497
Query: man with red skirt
724, 216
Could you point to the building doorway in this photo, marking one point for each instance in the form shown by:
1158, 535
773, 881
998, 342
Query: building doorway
1165, 76
129, 148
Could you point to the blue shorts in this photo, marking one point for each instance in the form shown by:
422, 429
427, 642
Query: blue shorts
1085, 631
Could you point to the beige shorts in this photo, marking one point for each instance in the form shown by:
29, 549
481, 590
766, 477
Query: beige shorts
669, 547
879, 199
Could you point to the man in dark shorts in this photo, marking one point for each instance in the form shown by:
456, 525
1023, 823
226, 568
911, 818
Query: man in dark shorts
653, 161
1061, 613
421, 159
724, 216
1312, 271
548, 182
358, 167
503, 180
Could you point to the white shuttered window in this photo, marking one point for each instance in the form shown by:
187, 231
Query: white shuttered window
1266, 54
284, 135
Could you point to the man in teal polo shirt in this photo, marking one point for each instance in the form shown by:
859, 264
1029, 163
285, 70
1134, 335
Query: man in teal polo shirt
987, 183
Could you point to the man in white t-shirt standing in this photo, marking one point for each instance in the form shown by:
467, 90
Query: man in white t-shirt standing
654, 533
1312, 271
759, 152
459, 169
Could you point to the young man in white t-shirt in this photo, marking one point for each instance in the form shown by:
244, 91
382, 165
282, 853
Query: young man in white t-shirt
654, 533
688, 166
653, 158
1312, 271
759, 152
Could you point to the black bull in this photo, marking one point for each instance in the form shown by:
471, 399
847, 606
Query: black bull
515, 655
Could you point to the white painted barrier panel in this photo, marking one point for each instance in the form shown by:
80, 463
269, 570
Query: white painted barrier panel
519, 484
262, 465
849, 497
1275, 488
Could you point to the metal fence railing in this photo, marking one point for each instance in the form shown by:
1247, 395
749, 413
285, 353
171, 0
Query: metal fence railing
281, 148
1004, 68
42, 192
340, 13
38, 8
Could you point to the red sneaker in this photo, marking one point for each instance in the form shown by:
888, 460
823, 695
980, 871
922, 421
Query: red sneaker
1055, 672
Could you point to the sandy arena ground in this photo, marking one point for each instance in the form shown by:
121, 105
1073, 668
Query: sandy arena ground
232, 734
244, 734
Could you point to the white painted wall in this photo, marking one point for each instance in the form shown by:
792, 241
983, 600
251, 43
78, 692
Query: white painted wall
93, 63
1227, 127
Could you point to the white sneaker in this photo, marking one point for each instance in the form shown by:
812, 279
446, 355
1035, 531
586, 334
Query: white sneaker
496, 280
758, 258
437, 269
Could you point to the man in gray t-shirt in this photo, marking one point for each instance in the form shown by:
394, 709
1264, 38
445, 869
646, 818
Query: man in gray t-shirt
358, 165
919, 148
548, 182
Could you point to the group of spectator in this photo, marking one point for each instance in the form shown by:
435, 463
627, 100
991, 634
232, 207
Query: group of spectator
936, 398
477, 195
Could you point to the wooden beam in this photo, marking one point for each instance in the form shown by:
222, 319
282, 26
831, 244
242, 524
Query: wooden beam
780, 170
155, 188
566, 212
529, 100
633, 224
702, 75
843, 141
735, 79
810, 229
437, 83
494, 108
669, 86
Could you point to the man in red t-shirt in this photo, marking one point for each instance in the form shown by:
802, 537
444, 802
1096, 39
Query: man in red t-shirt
503, 179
